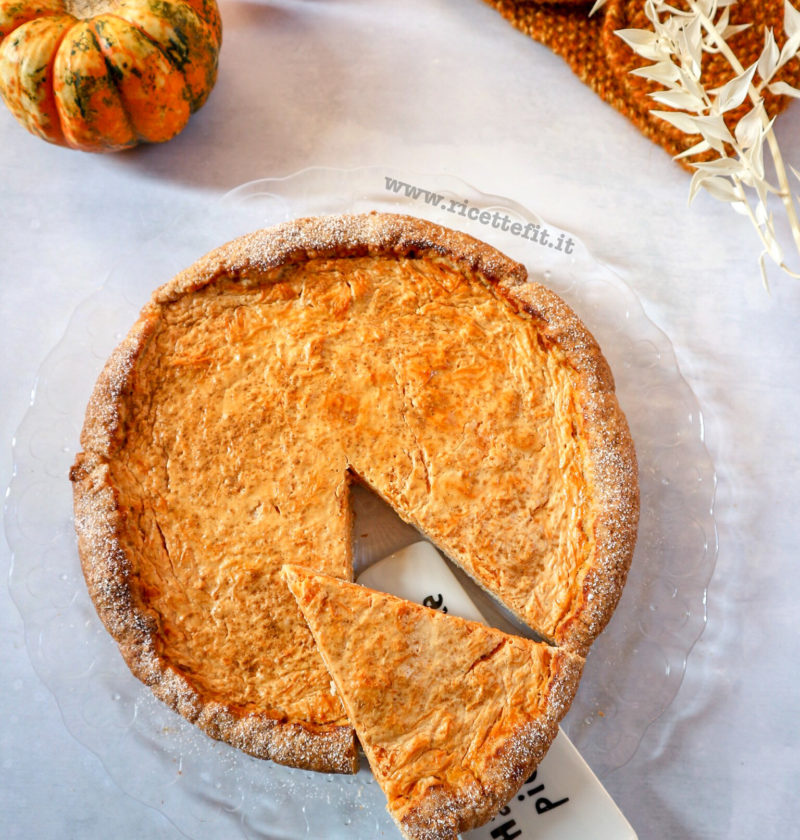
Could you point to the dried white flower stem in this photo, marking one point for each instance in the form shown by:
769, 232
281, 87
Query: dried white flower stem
784, 191
675, 44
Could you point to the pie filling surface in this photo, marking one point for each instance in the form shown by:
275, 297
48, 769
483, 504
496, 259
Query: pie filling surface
225, 432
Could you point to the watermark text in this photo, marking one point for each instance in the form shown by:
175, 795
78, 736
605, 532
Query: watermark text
531, 231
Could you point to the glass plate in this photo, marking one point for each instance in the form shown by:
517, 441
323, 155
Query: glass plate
206, 788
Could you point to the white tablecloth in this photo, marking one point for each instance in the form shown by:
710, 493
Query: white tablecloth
451, 88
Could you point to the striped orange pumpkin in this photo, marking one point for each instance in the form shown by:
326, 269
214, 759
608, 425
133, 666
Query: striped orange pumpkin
104, 75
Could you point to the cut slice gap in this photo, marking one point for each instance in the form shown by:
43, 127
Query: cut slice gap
378, 531
452, 715
383, 345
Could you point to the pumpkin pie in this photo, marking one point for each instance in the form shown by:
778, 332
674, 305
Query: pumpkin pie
453, 716
224, 433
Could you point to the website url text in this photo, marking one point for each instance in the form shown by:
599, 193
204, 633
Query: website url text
499, 221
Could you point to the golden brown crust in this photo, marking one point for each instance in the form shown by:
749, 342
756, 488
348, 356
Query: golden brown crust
612, 458
371, 234
602, 455
452, 715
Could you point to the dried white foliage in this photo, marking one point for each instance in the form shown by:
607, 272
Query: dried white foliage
737, 175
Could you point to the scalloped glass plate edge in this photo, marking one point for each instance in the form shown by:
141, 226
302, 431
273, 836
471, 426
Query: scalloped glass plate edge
635, 668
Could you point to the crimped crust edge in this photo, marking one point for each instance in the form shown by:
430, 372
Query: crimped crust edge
103, 558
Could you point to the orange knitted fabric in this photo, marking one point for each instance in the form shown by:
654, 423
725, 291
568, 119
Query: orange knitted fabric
603, 60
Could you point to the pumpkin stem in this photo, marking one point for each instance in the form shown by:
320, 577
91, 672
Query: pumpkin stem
85, 9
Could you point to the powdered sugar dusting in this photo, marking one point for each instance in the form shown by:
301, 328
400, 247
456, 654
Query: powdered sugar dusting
107, 570
342, 236
107, 566
103, 411
612, 462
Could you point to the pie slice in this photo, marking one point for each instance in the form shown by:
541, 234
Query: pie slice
225, 431
452, 715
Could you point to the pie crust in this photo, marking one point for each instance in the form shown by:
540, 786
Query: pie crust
452, 715
223, 433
